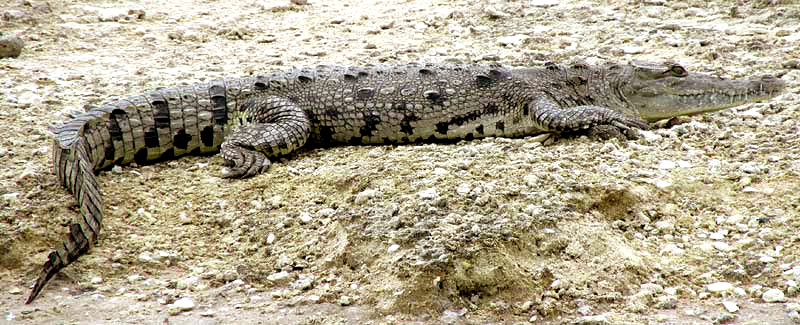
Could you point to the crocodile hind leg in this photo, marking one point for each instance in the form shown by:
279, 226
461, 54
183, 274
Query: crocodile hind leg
597, 121
278, 128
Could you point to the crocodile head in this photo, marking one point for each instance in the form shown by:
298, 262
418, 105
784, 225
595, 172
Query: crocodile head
659, 91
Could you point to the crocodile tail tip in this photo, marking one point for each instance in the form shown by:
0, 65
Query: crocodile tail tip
50, 268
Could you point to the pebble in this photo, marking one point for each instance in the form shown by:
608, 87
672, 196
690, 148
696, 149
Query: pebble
365, 195
666, 164
14, 290
184, 304
282, 275
393, 248
344, 301
428, 194
730, 306
773, 295
11, 46
719, 287
303, 283
722, 246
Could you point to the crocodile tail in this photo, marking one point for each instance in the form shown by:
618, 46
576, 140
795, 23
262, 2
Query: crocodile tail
74, 169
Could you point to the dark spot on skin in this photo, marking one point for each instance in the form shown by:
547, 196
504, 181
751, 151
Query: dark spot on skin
525, 110
363, 73
405, 123
500, 125
332, 113
365, 93
113, 124
109, 152
326, 134
479, 129
151, 138
432, 95
489, 109
261, 83
312, 117
354, 141
181, 139
551, 66
371, 121
483, 81
425, 72
350, 77
469, 137
304, 79
168, 154
140, 157
207, 136
441, 127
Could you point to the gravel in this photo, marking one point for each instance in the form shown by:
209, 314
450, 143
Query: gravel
584, 226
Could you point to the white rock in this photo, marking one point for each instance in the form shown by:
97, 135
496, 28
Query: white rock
428, 194
773, 295
663, 183
305, 217
97, 280
278, 276
270, 238
719, 287
730, 306
766, 259
365, 195
184, 304
14, 290
393, 248
666, 164
722, 246
326, 212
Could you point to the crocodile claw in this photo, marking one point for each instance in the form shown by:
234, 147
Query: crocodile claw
246, 164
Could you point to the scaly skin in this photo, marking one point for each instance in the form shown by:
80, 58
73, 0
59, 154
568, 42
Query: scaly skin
255, 118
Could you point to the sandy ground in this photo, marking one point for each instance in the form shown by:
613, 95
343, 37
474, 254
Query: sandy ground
662, 230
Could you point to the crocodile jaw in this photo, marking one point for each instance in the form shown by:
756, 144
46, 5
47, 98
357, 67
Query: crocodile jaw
695, 94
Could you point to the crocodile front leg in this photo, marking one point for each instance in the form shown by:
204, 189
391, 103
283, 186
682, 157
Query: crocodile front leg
551, 117
279, 128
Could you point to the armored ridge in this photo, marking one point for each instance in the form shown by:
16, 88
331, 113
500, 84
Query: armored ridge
252, 119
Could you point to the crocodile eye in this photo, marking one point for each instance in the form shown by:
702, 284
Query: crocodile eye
678, 71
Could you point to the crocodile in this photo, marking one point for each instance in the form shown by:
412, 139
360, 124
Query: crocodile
253, 119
